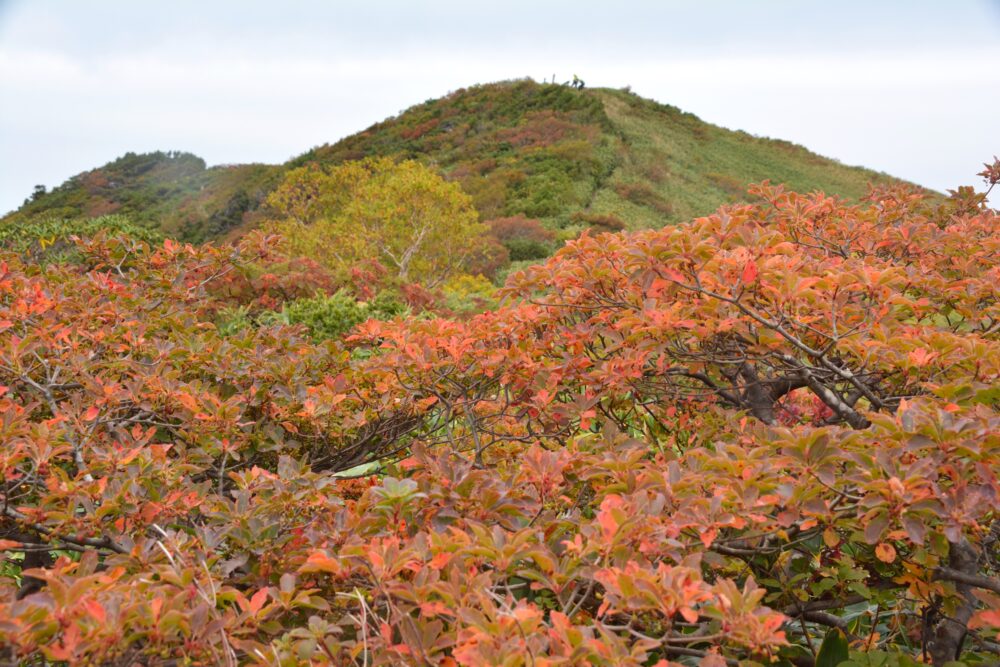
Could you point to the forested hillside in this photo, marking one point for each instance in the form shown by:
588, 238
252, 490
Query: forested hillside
768, 435
572, 158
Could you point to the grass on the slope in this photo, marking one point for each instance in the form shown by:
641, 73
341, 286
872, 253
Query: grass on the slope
675, 166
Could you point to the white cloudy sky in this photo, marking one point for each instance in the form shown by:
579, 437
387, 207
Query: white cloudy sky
911, 88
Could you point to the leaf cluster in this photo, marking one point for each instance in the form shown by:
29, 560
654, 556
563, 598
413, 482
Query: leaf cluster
603, 470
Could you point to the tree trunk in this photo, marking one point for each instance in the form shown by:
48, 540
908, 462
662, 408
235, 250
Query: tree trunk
756, 396
945, 641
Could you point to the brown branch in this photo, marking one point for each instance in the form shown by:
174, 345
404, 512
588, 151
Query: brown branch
96, 543
829, 620
969, 579
822, 605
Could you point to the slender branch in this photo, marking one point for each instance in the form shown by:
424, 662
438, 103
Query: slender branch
96, 543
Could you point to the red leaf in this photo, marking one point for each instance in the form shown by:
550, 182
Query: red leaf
258, 600
674, 275
750, 272
95, 609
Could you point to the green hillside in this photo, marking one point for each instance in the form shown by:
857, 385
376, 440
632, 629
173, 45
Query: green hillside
571, 158
673, 162
173, 192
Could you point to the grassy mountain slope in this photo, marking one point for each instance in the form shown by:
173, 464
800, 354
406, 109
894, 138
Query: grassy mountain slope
571, 158
672, 158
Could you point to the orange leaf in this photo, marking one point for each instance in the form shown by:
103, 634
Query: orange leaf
439, 560
188, 401
96, 610
885, 552
689, 614
435, 608
989, 617
258, 600
674, 275
318, 561
155, 606
606, 515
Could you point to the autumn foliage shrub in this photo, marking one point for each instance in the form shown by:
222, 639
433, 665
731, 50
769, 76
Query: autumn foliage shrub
601, 471
600, 222
641, 194
524, 238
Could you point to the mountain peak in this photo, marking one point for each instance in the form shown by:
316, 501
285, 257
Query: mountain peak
570, 157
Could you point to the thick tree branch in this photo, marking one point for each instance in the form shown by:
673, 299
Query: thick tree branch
969, 579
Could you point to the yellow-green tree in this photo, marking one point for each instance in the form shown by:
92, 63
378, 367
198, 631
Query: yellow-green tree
418, 225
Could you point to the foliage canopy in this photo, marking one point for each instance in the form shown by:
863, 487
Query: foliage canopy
705, 444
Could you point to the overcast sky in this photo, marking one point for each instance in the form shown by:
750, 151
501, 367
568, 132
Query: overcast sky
911, 88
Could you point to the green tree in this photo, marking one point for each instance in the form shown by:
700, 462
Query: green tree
420, 226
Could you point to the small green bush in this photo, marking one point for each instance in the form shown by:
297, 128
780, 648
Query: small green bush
333, 316
233, 320
467, 294
523, 249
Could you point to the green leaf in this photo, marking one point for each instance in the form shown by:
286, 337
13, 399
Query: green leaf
357, 471
833, 650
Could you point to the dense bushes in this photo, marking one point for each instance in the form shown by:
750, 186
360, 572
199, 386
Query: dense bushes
137, 185
171, 192
641, 194
707, 443
600, 222
524, 238
51, 239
